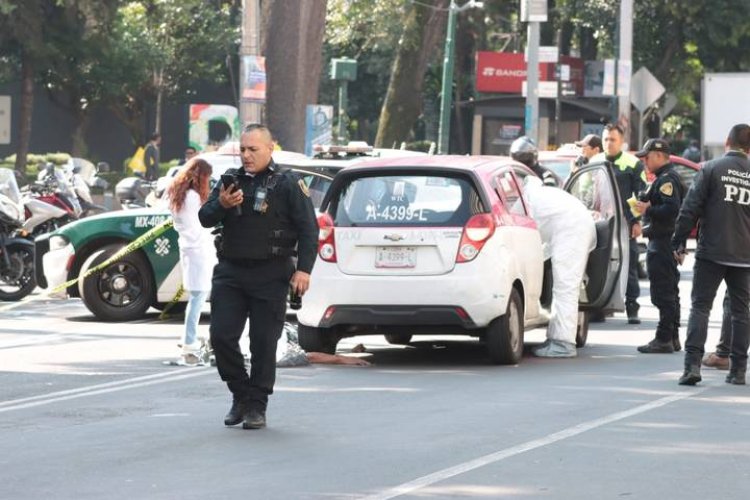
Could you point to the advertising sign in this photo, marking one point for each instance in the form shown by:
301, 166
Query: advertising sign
505, 72
608, 83
254, 78
211, 125
318, 126
534, 11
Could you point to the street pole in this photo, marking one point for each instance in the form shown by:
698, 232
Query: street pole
250, 111
625, 54
531, 124
446, 97
343, 118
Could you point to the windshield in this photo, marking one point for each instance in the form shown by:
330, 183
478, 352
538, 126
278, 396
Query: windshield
406, 200
9, 185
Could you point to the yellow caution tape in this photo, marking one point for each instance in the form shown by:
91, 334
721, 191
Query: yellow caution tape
134, 245
170, 305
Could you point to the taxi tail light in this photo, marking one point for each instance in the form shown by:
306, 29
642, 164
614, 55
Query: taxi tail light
477, 231
326, 239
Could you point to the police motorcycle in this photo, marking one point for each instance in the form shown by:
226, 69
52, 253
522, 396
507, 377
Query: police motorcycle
135, 192
82, 175
16, 253
49, 202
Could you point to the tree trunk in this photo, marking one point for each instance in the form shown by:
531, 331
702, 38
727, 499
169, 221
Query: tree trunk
159, 80
79, 148
27, 108
403, 101
293, 66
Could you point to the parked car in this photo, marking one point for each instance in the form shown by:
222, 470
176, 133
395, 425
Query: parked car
446, 245
150, 276
147, 277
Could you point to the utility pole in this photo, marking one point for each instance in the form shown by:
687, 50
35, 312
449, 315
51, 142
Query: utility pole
250, 110
624, 67
446, 99
531, 123
444, 133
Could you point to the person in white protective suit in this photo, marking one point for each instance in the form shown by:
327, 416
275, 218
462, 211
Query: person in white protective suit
568, 235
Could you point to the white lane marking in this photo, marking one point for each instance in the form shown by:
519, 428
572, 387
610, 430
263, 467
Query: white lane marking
92, 390
497, 456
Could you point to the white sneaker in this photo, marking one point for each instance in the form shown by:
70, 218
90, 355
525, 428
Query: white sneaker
555, 349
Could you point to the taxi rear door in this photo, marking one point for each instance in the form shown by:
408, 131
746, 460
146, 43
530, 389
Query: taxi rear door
607, 269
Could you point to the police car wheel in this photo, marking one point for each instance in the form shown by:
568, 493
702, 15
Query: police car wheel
505, 334
313, 339
582, 330
398, 338
122, 291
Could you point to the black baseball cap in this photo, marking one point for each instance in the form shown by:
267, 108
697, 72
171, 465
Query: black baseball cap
658, 145
591, 140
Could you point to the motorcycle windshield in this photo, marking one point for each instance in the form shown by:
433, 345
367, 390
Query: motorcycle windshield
9, 186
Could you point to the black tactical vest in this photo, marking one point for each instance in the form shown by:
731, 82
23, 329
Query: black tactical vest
258, 236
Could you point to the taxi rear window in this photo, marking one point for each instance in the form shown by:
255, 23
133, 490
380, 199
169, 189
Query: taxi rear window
406, 200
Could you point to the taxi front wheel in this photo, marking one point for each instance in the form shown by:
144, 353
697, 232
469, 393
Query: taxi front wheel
505, 334
123, 291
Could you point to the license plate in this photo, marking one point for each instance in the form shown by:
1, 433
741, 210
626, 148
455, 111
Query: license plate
396, 257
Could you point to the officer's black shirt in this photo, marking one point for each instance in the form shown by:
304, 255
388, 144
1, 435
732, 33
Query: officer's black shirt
720, 198
665, 195
289, 210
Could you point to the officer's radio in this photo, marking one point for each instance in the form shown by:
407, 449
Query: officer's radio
295, 300
646, 229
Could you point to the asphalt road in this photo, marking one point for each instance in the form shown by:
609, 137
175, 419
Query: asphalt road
87, 410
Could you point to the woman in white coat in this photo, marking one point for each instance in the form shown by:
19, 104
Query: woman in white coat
186, 194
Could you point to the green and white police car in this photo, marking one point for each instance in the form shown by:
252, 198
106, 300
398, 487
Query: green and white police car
149, 276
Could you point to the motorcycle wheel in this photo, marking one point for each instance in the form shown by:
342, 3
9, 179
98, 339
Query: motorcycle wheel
17, 281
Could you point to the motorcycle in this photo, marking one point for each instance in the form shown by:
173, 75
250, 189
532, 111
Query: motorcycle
135, 192
50, 203
16, 254
81, 175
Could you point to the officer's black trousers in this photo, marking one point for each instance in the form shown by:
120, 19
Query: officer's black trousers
239, 293
707, 276
664, 279
633, 290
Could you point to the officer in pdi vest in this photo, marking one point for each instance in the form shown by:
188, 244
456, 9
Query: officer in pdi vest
266, 214
659, 207
631, 180
720, 197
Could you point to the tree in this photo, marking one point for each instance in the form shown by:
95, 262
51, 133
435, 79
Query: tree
21, 37
162, 49
293, 49
403, 102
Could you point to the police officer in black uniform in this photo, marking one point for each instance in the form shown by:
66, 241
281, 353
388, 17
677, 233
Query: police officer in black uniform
265, 214
659, 207
523, 150
720, 196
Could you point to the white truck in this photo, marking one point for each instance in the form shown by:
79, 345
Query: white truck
725, 103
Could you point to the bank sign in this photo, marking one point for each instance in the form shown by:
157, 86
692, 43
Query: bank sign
505, 72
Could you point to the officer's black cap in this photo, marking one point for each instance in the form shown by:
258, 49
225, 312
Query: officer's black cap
657, 145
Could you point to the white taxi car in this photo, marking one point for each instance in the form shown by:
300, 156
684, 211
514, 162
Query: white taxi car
446, 245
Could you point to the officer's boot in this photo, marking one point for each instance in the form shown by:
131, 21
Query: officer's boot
736, 373
240, 404
692, 374
631, 307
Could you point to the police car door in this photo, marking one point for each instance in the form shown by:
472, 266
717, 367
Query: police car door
607, 269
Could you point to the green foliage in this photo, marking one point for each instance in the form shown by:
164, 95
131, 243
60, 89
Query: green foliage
57, 158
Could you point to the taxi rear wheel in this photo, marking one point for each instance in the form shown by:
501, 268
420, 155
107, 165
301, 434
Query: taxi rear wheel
123, 291
505, 334
313, 339
582, 330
